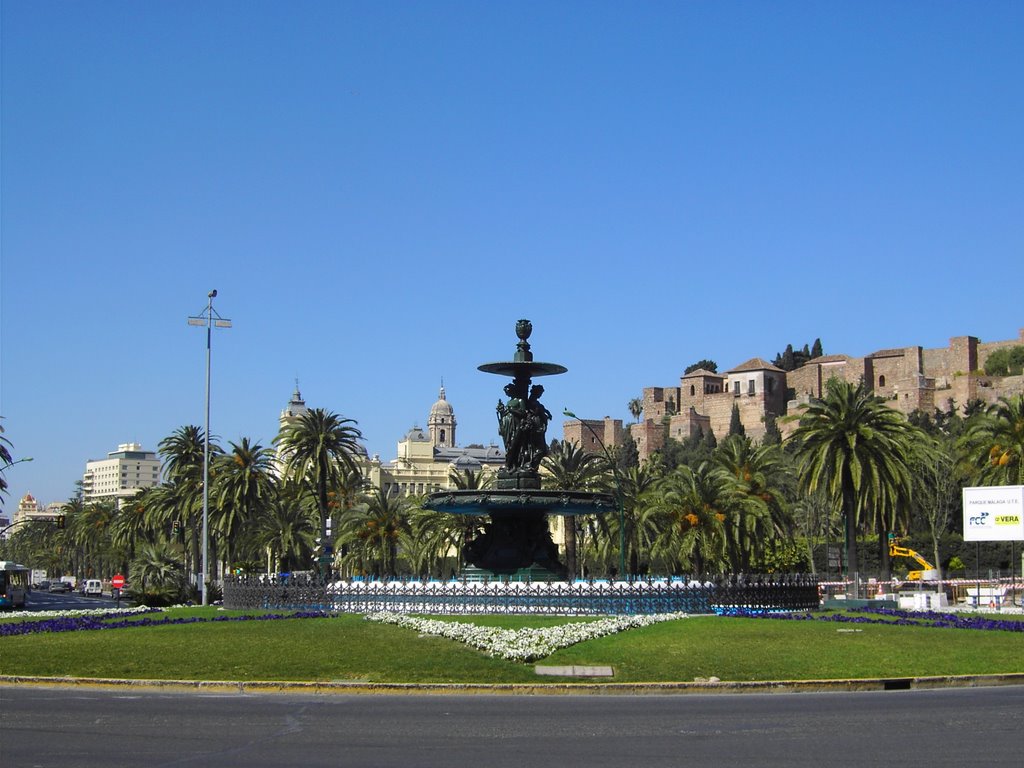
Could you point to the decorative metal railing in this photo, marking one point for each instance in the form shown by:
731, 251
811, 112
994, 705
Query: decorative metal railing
718, 594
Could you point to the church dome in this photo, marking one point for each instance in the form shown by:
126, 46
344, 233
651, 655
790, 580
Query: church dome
417, 435
442, 407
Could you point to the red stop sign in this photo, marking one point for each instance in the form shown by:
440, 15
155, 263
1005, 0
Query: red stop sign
117, 582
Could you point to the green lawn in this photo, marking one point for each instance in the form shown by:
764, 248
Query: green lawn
348, 648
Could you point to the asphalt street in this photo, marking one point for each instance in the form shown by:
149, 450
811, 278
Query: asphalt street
77, 727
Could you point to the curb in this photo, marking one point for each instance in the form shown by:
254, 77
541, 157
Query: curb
530, 689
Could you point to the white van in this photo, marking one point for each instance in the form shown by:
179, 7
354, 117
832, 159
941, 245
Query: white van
92, 587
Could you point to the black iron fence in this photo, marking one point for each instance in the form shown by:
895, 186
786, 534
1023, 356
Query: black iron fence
718, 594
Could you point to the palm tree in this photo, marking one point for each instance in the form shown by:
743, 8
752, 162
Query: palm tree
6, 460
855, 447
286, 528
469, 480
757, 480
994, 443
182, 497
320, 448
636, 408
693, 509
572, 469
91, 535
636, 492
130, 526
246, 484
156, 574
374, 531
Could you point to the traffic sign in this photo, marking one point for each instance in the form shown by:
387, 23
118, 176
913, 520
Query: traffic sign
117, 582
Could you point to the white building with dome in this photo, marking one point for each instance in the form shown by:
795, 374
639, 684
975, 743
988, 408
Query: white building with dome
427, 457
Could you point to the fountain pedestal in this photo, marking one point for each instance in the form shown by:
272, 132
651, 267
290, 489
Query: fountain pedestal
517, 536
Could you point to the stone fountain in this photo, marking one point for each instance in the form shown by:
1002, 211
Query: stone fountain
517, 537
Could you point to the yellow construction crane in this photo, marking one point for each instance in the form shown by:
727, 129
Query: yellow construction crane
928, 571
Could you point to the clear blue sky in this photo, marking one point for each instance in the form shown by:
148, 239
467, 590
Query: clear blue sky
379, 190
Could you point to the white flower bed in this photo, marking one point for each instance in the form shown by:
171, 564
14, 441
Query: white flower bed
521, 644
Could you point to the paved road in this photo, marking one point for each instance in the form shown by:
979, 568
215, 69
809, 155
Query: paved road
41, 600
73, 727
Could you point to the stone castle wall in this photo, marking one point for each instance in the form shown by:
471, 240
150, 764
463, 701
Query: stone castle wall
908, 378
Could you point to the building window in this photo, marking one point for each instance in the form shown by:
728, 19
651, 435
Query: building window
735, 387
881, 381
442, 435
750, 387
693, 390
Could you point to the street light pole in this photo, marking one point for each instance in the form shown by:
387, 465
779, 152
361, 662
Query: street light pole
209, 320
618, 490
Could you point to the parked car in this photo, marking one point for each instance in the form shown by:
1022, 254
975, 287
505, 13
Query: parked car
60, 586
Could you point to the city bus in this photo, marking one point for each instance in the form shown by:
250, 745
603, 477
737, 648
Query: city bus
13, 584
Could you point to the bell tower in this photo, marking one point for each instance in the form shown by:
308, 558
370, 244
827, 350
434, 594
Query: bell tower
441, 423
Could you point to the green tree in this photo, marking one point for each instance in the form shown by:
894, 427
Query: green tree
90, 532
5, 461
635, 492
286, 528
757, 481
319, 449
156, 575
1007, 361
182, 496
853, 446
572, 469
693, 510
636, 408
246, 484
469, 479
707, 365
735, 423
994, 443
374, 531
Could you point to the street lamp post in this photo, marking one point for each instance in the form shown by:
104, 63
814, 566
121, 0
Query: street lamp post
210, 319
618, 490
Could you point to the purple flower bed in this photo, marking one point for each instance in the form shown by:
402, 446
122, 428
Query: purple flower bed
103, 621
891, 616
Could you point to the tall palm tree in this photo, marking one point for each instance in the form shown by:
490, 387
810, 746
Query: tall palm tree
184, 458
320, 448
994, 443
636, 407
129, 527
91, 535
855, 447
636, 491
245, 485
757, 482
570, 468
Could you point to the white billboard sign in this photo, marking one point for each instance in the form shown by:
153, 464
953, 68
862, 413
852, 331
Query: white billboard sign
994, 513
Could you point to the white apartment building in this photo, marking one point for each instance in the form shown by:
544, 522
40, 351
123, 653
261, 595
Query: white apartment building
121, 475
